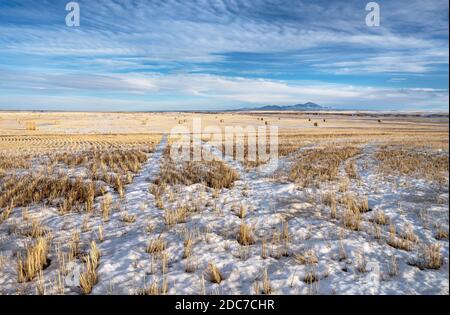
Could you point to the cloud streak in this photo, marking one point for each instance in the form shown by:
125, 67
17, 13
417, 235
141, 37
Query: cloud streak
217, 90
227, 51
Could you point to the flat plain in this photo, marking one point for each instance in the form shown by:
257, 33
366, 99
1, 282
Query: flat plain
93, 203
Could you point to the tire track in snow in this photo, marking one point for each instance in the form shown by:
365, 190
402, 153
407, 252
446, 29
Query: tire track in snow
138, 189
124, 260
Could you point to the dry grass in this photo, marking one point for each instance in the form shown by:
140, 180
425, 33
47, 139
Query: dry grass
377, 231
159, 203
176, 216
214, 174
164, 257
155, 288
398, 242
12, 162
430, 257
393, 266
245, 235
100, 234
242, 211
413, 162
89, 277
351, 169
266, 286
410, 235
264, 254
380, 218
111, 165
74, 245
129, 218
213, 273
155, 246
7, 212
361, 262
190, 265
34, 229
34, 262
187, 247
320, 165
311, 276
433, 258
441, 233
308, 257
284, 232
58, 183
40, 284
105, 207
35, 189
209, 170
352, 220
354, 204
329, 199
70, 144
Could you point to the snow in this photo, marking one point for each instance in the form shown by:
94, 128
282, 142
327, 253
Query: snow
125, 266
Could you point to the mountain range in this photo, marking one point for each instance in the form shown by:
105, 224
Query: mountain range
297, 107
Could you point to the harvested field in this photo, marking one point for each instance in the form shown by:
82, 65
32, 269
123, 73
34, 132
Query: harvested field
353, 206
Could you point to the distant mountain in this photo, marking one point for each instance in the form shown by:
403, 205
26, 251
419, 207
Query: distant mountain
298, 107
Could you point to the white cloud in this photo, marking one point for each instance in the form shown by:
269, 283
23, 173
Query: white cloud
201, 32
191, 89
120, 40
389, 63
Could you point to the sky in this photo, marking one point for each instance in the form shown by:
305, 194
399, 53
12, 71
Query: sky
130, 55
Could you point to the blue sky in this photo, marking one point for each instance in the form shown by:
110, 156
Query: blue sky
223, 54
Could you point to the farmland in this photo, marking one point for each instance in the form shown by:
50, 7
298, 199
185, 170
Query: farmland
94, 203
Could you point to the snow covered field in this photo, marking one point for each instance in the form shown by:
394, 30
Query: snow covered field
365, 230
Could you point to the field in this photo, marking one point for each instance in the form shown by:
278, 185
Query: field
93, 203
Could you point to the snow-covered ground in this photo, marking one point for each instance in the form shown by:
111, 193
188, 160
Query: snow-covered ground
348, 262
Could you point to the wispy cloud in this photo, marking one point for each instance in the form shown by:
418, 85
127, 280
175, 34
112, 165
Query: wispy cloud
217, 90
227, 51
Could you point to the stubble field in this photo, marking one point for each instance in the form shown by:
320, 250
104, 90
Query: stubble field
93, 203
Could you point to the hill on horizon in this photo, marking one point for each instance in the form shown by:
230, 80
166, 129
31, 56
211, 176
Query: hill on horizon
297, 107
